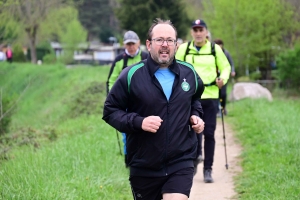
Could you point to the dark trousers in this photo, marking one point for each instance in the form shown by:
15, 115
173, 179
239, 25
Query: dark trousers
210, 109
223, 96
9, 60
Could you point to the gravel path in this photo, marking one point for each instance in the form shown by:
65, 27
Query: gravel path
223, 186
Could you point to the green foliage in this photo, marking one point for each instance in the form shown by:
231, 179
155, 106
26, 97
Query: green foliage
62, 17
9, 29
97, 17
74, 35
269, 134
49, 58
142, 14
288, 64
29, 16
253, 31
18, 54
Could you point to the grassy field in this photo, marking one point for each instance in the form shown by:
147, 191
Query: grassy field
63, 150
58, 146
270, 135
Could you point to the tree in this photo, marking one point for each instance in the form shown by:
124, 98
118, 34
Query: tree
97, 17
30, 15
138, 15
253, 31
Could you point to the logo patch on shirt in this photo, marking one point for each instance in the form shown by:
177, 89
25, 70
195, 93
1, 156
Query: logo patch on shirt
185, 85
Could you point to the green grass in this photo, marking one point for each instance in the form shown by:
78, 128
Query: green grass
84, 161
50, 89
270, 135
84, 164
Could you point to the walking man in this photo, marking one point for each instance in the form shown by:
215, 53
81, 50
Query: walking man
207, 59
132, 54
156, 102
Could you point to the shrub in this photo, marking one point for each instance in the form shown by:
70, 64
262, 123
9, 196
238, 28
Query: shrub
18, 54
288, 64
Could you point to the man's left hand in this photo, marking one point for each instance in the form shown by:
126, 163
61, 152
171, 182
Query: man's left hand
219, 83
197, 124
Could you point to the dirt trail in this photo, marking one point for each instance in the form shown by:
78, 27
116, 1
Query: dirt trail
223, 186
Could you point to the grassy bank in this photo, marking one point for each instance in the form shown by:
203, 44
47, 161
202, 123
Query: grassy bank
63, 149
270, 135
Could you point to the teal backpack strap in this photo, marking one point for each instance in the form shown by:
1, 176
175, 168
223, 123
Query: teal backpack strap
131, 72
192, 68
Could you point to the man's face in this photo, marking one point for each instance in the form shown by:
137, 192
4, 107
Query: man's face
132, 47
199, 35
163, 53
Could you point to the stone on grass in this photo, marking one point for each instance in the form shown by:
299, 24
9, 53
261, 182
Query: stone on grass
249, 90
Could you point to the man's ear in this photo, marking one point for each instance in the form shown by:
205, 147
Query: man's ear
148, 45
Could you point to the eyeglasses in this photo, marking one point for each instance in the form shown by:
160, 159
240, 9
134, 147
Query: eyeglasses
160, 41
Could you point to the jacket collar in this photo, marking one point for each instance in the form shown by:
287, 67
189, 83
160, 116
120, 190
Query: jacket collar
153, 66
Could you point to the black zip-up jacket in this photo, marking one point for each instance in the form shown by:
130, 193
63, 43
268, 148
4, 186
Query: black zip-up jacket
138, 94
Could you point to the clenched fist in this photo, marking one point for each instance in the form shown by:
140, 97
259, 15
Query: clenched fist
197, 123
151, 123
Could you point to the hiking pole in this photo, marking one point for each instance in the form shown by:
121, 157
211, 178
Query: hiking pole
222, 116
119, 142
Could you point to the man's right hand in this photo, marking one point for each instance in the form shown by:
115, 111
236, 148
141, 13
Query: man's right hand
151, 123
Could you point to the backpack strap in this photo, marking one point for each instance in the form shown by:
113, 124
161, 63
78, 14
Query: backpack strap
213, 52
125, 60
187, 50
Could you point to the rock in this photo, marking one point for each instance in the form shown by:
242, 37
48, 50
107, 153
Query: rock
249, 90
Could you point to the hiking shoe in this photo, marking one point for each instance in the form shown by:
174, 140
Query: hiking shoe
196, 162
207, 176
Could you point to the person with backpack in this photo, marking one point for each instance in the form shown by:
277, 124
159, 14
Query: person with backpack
156, 102
223, 92
132, 54
207, 58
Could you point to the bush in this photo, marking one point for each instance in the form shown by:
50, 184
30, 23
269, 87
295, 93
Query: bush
18, 54
288, 64
49, 58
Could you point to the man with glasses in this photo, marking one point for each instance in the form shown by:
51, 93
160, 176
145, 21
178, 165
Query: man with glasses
156, 102
207, 60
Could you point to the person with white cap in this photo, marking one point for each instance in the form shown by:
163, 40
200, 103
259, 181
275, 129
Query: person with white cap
132, 54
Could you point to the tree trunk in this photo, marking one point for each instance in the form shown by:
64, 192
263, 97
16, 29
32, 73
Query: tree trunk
31, 32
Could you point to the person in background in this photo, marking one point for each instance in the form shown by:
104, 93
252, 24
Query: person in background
223, 90
207, 59
156, 102
9, 54
132, 54
2, 56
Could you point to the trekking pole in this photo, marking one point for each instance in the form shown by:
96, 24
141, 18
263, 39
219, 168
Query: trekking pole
222, 116
119, 142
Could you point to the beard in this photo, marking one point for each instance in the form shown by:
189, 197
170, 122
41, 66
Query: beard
165, 62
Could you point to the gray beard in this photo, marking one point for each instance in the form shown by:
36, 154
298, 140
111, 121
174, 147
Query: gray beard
165, 63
